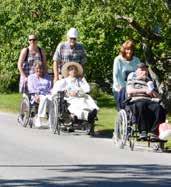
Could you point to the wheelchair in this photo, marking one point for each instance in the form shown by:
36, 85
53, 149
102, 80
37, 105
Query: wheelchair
27, 111
126, 131
63, 120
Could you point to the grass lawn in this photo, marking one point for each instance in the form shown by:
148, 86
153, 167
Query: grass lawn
106, 115
9, 102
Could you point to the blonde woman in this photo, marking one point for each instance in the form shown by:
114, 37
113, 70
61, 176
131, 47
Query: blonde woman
28, 57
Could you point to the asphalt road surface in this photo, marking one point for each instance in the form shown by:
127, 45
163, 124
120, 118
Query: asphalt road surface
36, 157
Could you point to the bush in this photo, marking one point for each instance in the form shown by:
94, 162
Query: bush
99, 31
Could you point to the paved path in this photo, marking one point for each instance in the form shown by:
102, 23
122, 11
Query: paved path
34, 157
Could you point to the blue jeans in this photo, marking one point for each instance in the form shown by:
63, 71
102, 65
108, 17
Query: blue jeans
120, 97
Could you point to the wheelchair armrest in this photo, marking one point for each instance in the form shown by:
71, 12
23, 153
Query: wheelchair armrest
158, 100
59, 95
127, 100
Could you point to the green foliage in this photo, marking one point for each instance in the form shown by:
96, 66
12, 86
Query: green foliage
96, 91
100, 31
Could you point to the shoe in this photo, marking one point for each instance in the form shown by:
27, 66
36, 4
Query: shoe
64, 128
37, 122
71, 129
74, 119
154, 137
92, 115
20, 119
143, 135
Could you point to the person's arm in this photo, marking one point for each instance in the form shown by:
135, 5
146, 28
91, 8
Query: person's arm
43, 56
32, 88
84, 57
49, 86
44, 59
21, 59
85, 87
56, 61
30, 84
55, 71
59, 85
134, 91
116, 72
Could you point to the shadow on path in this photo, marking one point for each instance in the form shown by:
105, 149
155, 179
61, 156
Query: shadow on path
95, 175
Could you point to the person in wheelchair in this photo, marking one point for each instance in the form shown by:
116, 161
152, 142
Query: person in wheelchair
145, 102
39, 86
81, 105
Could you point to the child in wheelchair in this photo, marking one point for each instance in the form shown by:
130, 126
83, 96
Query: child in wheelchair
145, 103
80, 105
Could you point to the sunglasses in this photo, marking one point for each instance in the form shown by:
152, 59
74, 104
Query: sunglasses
34, 39
72, 38
72, 68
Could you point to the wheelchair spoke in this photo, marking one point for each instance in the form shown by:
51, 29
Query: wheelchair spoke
24, 114
120, 133
55, 124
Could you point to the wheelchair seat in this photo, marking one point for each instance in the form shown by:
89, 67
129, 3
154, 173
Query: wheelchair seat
63, 119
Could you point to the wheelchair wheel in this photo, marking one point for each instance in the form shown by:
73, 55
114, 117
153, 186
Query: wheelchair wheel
24, 114
131, 144
120, 131
55, 123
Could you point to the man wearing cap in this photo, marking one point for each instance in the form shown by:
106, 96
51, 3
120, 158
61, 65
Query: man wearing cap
68, 51
145, 102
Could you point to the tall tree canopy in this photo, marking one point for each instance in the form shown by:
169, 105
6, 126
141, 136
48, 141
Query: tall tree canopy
103, 25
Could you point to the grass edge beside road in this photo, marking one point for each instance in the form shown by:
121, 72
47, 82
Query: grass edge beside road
106, 116
10, 103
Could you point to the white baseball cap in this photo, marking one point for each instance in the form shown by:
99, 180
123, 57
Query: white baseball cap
72, 33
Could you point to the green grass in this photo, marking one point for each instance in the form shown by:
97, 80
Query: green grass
9, 102
106, 115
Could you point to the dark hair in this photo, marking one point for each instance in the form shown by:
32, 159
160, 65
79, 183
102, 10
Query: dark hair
129, 44
142, 65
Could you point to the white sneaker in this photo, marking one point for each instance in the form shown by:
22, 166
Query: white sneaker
37, 122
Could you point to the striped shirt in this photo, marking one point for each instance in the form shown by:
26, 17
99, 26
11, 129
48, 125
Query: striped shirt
133, 82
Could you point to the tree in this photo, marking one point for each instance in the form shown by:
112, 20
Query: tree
100, 31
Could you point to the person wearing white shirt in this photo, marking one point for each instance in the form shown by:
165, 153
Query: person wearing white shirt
76, 87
